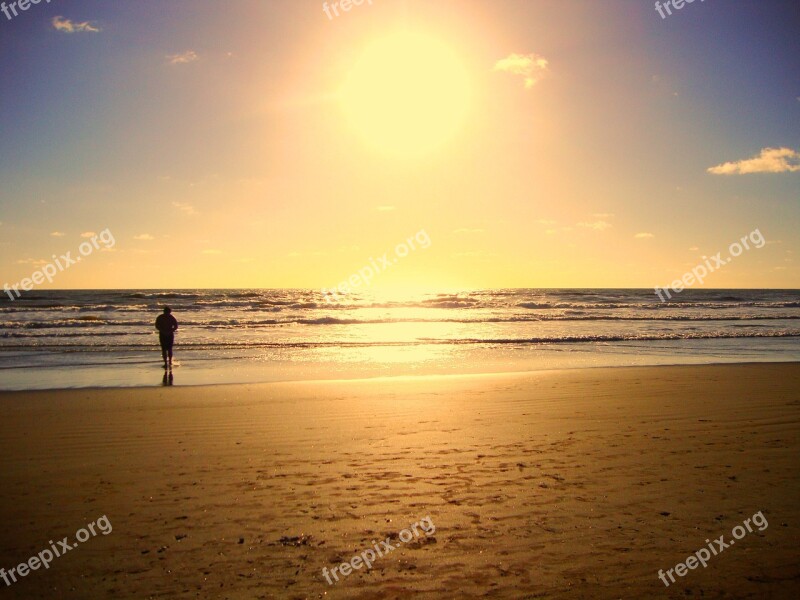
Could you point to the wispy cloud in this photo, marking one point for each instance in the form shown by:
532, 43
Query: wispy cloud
545, 222
58, 234
143, 237
531, 67
296, 254
182, 58
185, 207
31, 261
88, 234
771, 160
212, 251
644, 236
596, 225
663, 86
555, 231
69, 26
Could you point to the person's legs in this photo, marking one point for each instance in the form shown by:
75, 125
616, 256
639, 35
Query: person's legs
166, 347
167, 341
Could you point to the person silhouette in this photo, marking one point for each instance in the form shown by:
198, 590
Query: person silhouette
166, 325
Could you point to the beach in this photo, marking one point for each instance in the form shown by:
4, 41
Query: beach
579, 483
447, 300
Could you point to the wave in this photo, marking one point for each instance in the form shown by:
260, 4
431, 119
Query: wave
93, 321
158, 295
306, 301
656, 305
526, 341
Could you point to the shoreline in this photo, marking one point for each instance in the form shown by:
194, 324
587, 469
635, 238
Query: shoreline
520, 372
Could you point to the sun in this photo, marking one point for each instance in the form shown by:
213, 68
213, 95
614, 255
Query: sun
407, 95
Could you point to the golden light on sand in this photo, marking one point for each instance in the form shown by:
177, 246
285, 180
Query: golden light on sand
407, 94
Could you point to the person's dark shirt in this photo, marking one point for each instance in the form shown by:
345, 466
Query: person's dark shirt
166, 324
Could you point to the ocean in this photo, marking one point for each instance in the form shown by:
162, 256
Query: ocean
100, 338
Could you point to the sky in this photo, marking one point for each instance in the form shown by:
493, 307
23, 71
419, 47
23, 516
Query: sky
277, 144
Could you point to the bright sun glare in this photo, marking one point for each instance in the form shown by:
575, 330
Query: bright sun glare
407, 94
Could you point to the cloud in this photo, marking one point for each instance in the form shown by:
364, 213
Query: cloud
644, 236
596, 225
31, 261
69, 26
185, 208
555, 231
771, 160
466, 230
602, 215
58, 234
296, 254
531, 67
144, 237
694, 248
662, 85
88, 234
545, 222
182, 58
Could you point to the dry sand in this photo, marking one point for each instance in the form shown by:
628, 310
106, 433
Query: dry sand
568, 484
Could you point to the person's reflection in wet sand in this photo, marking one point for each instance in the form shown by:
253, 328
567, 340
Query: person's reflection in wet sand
167, 378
